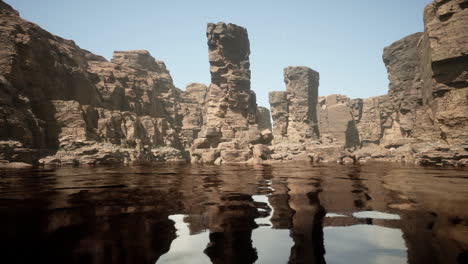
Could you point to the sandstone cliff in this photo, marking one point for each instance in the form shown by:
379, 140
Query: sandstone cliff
60, 100
230, 130
423, 118
61, 104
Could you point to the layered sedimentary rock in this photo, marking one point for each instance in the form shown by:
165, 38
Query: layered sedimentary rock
71, 106
60, 100
431, 71
294, 111
336, 121
66, 105
424, 116
192, 103
230, 127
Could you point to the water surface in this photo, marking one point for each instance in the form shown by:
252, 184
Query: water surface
281, 213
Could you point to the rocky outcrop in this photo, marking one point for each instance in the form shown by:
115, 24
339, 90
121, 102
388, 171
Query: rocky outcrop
230, 127
336, 121
294, 114
60, 104
294, 111
192, 104
69, 106
263, 118
424, 116
74, 107
434, 74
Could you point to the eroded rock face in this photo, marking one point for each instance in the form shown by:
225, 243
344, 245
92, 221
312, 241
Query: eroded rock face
294, 111
336, 121
59, 99
192, 105
424, 116
302, 88
230, 125
69, 106
231, 105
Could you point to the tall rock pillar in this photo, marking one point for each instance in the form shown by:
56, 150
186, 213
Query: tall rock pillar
230, 127
302, 86
294, 112
231, 107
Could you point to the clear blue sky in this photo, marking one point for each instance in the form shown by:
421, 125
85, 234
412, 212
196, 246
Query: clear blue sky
341, 39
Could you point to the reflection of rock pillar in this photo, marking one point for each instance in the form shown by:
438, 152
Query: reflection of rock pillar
231, 217
306, 230
231, 231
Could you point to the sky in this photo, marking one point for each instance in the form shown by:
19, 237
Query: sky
341, 39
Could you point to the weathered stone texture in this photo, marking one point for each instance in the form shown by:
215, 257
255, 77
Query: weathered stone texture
336, 121
263, 118
192, 104
302, 88
58, 98
230, 113
294, 112
231, 105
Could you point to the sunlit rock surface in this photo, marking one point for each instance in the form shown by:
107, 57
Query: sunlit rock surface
230, 124
422, 119
60, 104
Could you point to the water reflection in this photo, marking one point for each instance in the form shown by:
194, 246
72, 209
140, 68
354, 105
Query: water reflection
376, 215
364, 244
284, 213
273, 245
186, 248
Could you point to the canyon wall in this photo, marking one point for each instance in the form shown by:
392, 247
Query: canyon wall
63, 101
424, 116
61, 104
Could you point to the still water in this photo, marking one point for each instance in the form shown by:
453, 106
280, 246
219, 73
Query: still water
281, 213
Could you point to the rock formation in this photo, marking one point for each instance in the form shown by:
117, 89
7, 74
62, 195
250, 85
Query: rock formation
64, 105
60, 104
294, 114
424, 116
59, 100
294, 111
230, 128
192, 103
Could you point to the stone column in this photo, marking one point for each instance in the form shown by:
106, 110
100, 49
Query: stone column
231, 105
302, 87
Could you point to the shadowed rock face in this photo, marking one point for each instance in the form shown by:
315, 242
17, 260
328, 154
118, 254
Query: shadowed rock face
263, 118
